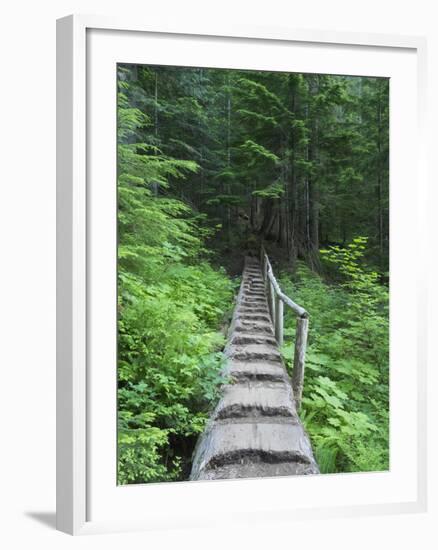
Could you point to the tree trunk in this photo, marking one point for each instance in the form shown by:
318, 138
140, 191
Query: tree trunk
379, 176
313, 180
228, 157
291, 188
155, 184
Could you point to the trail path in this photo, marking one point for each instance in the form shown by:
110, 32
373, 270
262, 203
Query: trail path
255, 430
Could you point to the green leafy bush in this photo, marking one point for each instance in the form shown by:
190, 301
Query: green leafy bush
171, 304
169, 363
346, 391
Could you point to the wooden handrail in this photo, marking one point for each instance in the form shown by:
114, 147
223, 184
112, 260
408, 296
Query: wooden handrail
276, 299
298, 310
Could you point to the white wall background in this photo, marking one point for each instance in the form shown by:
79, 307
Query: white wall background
27, 271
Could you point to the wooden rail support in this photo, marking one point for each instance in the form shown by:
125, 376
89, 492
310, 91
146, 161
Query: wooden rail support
272, 302
276, 302
279, 321
299, 359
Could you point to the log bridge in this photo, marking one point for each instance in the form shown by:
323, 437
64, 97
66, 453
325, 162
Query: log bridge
255, 430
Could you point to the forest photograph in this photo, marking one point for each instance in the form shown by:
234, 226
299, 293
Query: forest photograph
252, 205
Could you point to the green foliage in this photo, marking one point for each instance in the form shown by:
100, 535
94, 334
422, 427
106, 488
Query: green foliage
256, 152
273, 191
346, 392
171, 303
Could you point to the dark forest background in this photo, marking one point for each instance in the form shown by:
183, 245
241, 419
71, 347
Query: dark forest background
212, 163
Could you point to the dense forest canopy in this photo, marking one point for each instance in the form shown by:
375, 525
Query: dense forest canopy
211, 163
303, 158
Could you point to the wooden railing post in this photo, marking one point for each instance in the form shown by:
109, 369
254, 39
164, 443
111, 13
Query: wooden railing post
299, 359
272, 302
276, 301
279, 321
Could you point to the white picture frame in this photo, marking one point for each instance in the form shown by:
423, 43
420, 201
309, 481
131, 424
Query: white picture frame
75, 217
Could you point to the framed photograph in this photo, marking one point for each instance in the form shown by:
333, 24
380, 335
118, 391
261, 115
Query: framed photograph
241, 219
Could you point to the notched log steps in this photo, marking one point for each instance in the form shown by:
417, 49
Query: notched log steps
254, 430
